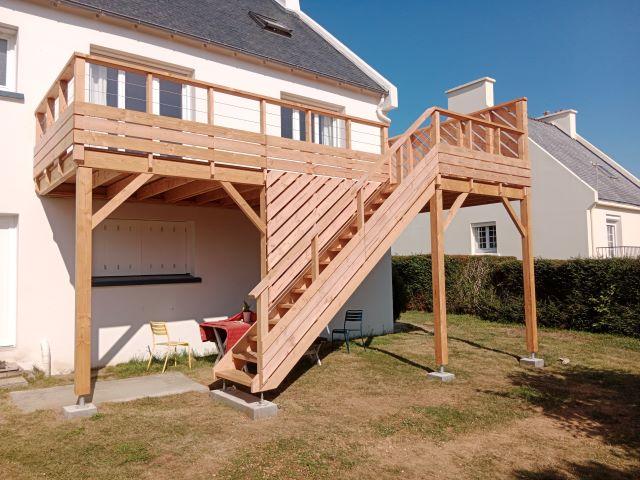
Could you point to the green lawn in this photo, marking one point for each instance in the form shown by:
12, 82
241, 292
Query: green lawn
370, 413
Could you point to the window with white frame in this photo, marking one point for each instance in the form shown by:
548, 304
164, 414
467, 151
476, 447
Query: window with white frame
485, 239
8, 57
613, 233
328, 130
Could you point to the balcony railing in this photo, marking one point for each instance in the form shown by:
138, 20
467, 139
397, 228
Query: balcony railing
624, 251
106, 105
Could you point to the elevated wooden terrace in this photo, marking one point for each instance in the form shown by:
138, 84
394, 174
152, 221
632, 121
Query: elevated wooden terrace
326, 200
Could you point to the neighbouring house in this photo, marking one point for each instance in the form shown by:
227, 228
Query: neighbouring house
584, 203
165, 160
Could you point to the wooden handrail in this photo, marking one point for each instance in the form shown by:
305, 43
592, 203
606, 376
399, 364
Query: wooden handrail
202, 84
346, 199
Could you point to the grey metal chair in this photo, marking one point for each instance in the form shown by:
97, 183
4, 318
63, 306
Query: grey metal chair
350, 317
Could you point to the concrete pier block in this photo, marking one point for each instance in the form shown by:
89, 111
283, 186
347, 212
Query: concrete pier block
79, 411
442, 376
248, 404
531, 362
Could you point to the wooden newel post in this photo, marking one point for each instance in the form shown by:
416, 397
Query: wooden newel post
438, 280
82, 354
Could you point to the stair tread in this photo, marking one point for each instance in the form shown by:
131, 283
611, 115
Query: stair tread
299, 291
246, 356
285, 305
253, 338
237, 376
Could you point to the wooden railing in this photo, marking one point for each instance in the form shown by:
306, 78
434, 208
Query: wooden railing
110, 104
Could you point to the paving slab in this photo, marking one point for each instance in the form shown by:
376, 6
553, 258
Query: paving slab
170, 383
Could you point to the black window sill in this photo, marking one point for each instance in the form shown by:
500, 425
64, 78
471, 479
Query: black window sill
143, 280
12, 95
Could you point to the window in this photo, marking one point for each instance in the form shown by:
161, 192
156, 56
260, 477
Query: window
117, 88
8, 279
271, 24
485, 238
613, 234
8, 61
327, 130
292, 124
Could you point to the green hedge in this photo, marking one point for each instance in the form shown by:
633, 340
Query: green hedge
581, 294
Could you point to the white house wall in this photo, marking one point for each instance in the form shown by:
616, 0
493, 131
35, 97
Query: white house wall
226, 243
560, 202
629, 225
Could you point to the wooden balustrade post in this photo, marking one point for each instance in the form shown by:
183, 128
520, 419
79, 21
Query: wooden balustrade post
347, 127
149, 93
79, 67
411, 156
489, 139
63, 95
384, 139
438, 279
210, 105
470, 135
263, 116
497, 140
50, 110
522, 124
40, 121
360, 209
307, 125
435, 124
400, 163
315, 260
262, 317
83, 247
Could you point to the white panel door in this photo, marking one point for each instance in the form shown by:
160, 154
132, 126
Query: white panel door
8, 279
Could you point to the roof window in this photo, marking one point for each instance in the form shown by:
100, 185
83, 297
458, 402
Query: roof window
271, 24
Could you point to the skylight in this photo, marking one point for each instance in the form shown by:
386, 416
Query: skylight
271, 24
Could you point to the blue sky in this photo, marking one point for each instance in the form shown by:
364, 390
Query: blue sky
581, 54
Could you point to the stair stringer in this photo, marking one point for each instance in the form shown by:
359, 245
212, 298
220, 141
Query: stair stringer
360, 256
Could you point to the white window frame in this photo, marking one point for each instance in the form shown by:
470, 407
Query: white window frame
475, 248
10, 34
613, 222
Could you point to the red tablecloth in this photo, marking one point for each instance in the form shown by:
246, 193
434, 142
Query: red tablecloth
230, 330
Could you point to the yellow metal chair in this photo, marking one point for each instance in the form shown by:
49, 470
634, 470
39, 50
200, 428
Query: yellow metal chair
159, 329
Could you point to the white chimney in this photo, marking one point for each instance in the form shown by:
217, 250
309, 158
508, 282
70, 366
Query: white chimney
472, 96
290, 4
565, 120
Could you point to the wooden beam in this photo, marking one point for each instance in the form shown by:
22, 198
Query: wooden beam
100, 177
514, 217
244, 206
454, 209
191, 189
83, 249
437, 273
160, 186
117, 200
530, 315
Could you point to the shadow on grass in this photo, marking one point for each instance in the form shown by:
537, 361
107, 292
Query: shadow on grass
585, 471
602, 404
410, 327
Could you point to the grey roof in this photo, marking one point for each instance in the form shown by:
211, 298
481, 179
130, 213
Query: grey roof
606, 178
227, 23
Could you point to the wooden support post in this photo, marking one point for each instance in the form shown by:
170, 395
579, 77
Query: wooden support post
82, 354
384, 139
530, 316
63, 96
437, 273
347, 133
149, 93
522, 123
210, 105
79, 80
400, 163
262, 303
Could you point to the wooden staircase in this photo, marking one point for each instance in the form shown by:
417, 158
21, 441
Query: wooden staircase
348, 230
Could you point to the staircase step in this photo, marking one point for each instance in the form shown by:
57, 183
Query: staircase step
285, 306
274, 321
253, 338
236, 376
298, 291
336, 249
246, 356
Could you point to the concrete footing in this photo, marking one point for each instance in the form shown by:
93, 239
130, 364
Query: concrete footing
79, 411
532, 362
248, 404
11, 382
441, 375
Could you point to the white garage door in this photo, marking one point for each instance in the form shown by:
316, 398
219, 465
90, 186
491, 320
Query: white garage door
8, 279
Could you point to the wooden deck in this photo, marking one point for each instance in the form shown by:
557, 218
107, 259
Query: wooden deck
325, 214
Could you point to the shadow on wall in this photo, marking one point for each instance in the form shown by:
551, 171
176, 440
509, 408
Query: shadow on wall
228, 265
600, 404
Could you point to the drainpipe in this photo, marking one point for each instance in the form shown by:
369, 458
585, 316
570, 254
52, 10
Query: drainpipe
45, 362
384, 106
